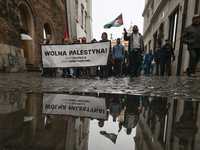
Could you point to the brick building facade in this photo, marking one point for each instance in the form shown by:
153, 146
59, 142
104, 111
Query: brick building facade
31, 17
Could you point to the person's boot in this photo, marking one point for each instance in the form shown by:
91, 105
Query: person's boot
162, 74
188, 72
169, 74
192, 75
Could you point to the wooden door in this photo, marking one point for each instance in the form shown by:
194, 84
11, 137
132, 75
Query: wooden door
26, 51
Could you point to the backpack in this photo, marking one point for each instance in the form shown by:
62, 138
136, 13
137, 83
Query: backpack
167, 51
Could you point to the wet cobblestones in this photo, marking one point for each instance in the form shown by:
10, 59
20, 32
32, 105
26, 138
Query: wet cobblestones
175, 87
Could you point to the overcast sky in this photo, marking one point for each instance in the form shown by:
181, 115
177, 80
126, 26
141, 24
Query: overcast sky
99, 142
104, 11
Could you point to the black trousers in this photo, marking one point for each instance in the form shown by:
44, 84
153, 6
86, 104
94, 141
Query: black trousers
118, 66
103, 71
158, 67
194, 59
134, 61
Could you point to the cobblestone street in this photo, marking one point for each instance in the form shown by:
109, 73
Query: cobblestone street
175, 87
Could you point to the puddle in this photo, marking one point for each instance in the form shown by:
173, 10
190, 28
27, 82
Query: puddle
96, 121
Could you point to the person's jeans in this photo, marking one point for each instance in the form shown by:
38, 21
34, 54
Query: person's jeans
149, 67
71, 71
153, 68
134, 61
166, 60
194, 59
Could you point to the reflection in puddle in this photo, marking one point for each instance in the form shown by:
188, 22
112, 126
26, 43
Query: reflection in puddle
88, 121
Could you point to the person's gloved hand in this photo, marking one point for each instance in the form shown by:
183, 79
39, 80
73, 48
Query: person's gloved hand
173, 58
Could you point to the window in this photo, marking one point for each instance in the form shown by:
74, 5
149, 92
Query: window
148, 14
82, 15
48, 30
197, 8
155, 42
44, 34
173, 27
85, 19
160, 35
152, 6
149, 45
76, 7
145, 48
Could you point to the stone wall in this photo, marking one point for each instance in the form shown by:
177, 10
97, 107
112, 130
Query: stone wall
12, 102
11, 59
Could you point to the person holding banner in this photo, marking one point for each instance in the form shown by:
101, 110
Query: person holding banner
104, 69
135, 48
64, 69
76, 70
69, 70
48, 72
84, 69
93, 69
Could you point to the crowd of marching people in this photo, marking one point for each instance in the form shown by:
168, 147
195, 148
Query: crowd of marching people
120, 62
133, 61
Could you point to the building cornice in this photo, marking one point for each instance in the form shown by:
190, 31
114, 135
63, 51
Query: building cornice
155, 15
146, 7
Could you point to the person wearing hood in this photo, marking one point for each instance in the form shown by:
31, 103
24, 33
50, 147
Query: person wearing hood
191, 37
148, 60
167, 52
118, 56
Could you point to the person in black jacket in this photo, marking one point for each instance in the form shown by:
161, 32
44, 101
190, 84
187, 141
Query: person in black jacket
167, 52
126, 64
104, 69
191, 37
158, 60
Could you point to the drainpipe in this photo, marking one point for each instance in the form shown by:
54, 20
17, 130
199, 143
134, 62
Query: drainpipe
67, 28
180, 55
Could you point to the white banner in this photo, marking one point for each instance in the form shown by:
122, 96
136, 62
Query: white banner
74, 105
77, 55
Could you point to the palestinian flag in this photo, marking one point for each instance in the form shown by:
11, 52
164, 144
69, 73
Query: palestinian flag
115, 23
65, 36
111, 136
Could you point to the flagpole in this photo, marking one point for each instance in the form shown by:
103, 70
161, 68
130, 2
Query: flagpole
123, 23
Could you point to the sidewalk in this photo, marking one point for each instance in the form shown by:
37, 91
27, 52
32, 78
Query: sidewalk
176, 87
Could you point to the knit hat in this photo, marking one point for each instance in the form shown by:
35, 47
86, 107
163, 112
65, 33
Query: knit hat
83, 38
195, 16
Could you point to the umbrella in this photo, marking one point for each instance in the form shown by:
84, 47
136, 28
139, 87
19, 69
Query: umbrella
25, 37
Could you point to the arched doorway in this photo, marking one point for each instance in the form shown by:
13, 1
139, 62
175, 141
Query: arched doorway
48, 29
27, 27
